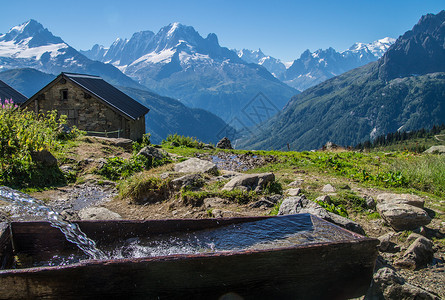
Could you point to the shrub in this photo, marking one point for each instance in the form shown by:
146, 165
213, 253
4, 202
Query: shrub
336, 209
21, 134
182, 141
145, 141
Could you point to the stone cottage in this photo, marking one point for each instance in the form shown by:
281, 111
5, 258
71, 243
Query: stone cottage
91, 104
8, 93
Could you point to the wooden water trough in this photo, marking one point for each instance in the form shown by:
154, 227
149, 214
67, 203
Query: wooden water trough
338, 269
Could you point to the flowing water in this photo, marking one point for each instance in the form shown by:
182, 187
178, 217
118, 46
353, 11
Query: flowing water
271, 233
71, 231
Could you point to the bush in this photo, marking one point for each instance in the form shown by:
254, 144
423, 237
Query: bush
21, 134
145, 141
177, 140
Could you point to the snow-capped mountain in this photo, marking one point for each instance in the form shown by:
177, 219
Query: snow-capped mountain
178, 62
30, 45
273, 65
377, 48
313, 68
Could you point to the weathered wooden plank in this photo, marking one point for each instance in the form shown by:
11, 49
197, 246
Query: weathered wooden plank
335, 271
5, 246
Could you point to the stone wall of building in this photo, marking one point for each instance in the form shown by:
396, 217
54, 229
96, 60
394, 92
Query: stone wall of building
86, 111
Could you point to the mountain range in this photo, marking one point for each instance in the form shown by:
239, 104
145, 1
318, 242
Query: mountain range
312, 68
31, 57
30, 45
403, 90
178, 62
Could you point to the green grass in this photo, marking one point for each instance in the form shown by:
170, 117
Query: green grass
426, 173
143, 188
402, 172
395, 170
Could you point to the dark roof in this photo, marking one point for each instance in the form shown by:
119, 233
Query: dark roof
109, 94
7, 92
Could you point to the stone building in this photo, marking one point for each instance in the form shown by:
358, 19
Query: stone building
8, 93
91, 104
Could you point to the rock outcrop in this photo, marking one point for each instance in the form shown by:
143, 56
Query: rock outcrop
436, 150
387, 284
300, 204
224, 143
152, 152
44, 157
250, 182
402, 212
98, 213
418, 254
196, 165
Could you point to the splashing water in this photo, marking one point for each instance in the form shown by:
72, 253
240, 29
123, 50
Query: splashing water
71, 231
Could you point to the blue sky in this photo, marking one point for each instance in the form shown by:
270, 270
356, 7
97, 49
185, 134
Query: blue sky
283, 29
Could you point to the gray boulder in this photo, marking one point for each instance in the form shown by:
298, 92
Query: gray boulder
328, 189
418, 254
387, 284
44, 157
267, 201
296, 183
224, 143
152, 152
409, 199
300, 204
188, 181
403, 216
325, 199
388, 242
196, 165
293, 192
370, 202
436, 150
98, 213
250, 182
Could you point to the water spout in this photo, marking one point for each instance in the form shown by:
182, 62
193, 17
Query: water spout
71, 231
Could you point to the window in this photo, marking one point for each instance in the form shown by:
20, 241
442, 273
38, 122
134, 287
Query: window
64, 94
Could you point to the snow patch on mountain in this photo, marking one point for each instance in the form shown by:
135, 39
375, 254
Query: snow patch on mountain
163, 56
377, 48
22, 50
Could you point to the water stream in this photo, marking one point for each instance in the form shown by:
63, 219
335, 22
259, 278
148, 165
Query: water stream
267, 234
71, 231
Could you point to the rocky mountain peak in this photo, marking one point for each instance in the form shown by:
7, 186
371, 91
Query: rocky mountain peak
417, 52
212, 39
172, 35
31, 33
